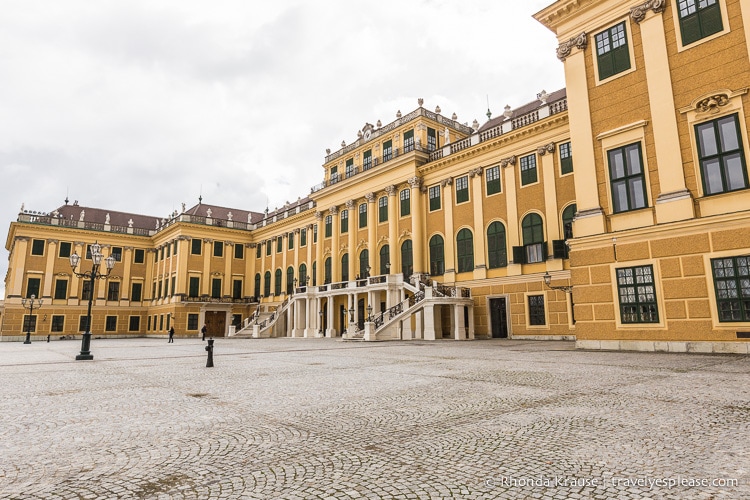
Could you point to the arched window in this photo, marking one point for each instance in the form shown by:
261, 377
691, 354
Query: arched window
257, 286
345, 267
497, 252
327, 271
385, 260
290, 280
437, 256
302, 275
534, 249
364, 264
267, 284
277, 283
407, 260
465, 250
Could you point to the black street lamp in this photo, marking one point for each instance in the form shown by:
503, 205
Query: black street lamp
94, 274
564, 288
369, 312
351, 314
367, 271
31, 303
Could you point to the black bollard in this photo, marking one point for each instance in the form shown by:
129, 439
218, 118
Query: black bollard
210, 350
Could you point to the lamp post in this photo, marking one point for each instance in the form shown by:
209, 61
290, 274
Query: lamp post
94, 274
367, 271
564, 288
369, 312
351, 314
31, 301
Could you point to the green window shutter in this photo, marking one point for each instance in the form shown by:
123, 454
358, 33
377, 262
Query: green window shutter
710, 20
519, 255
559, 249
620, 59
606, 66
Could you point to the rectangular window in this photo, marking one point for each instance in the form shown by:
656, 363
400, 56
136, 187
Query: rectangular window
408, 141
161, 322
279, 244
405, 198
216, 288
29, 323
218, 249
116, 253
174, 248
134, 324
612, 51
431, 139
383, 209
61, 289
328, 226
88, 252
65, 248
257, 250
149, 324
732, 284
462, 189
350, 170
434, 194
528, 169
367, 160
315, 233
161, 253
110, 324
635, 286
268, 248
192, 322
236, 289
699, 19
566, 158
58, 323
194, 286
169, 250
136, 291
139, 257
536, 310
86, 290
174, 284
334, 175
290, 239
721, 155
627, 179
492, 177
239, 251
344, 221
363, 215
303, 237
387, 150
195, 246
32, 287
161, 288
37, 247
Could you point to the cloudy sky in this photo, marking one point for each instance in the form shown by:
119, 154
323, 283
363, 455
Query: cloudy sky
140, 105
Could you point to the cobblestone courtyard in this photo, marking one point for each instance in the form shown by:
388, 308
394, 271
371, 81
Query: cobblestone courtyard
319, 418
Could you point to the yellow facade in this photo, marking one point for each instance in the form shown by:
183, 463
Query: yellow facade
662, 82
629, 187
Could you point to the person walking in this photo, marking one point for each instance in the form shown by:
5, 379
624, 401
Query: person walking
203, 331
171, 335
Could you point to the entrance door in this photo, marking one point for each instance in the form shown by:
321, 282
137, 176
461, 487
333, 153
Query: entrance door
499, 318
361, 314
215, 323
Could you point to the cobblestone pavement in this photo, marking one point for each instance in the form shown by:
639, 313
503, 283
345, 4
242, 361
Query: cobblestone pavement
325, 419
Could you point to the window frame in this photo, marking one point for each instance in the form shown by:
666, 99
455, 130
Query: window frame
637, 303
139, 256
437, 255
699, 13
492, 182
216, 288
110, 323
64, 245
404, 197
344, 221
57, 323
239, 251
362, 215
627, 177
409, 141
565, 154
743, 302
536, 313
599, 58
462, 189
383, 209
278, 277
194, 283
434, 193
464, 251
136, 297
528, 168
196, 244
34, 290
497, 257
328, 226
720, 155
61, 292
35, 244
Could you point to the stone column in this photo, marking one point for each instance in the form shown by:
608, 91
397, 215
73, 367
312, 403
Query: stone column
75, 281
273, 267
127, 260
429, 322
183, 251
480, 259
393, 244
335, 232
450, 237
228, 256
351, 207
330, 312
417, 225
319, 271
206, 280
284, 265
49, 271
547, 162
674, 201
507, 166
458, 322
371, 234
249, 269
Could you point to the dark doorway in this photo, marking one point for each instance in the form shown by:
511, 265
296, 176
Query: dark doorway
215, 323
342, 318
361, 314
499, 318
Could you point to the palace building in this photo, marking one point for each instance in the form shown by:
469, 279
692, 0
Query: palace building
615, 212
